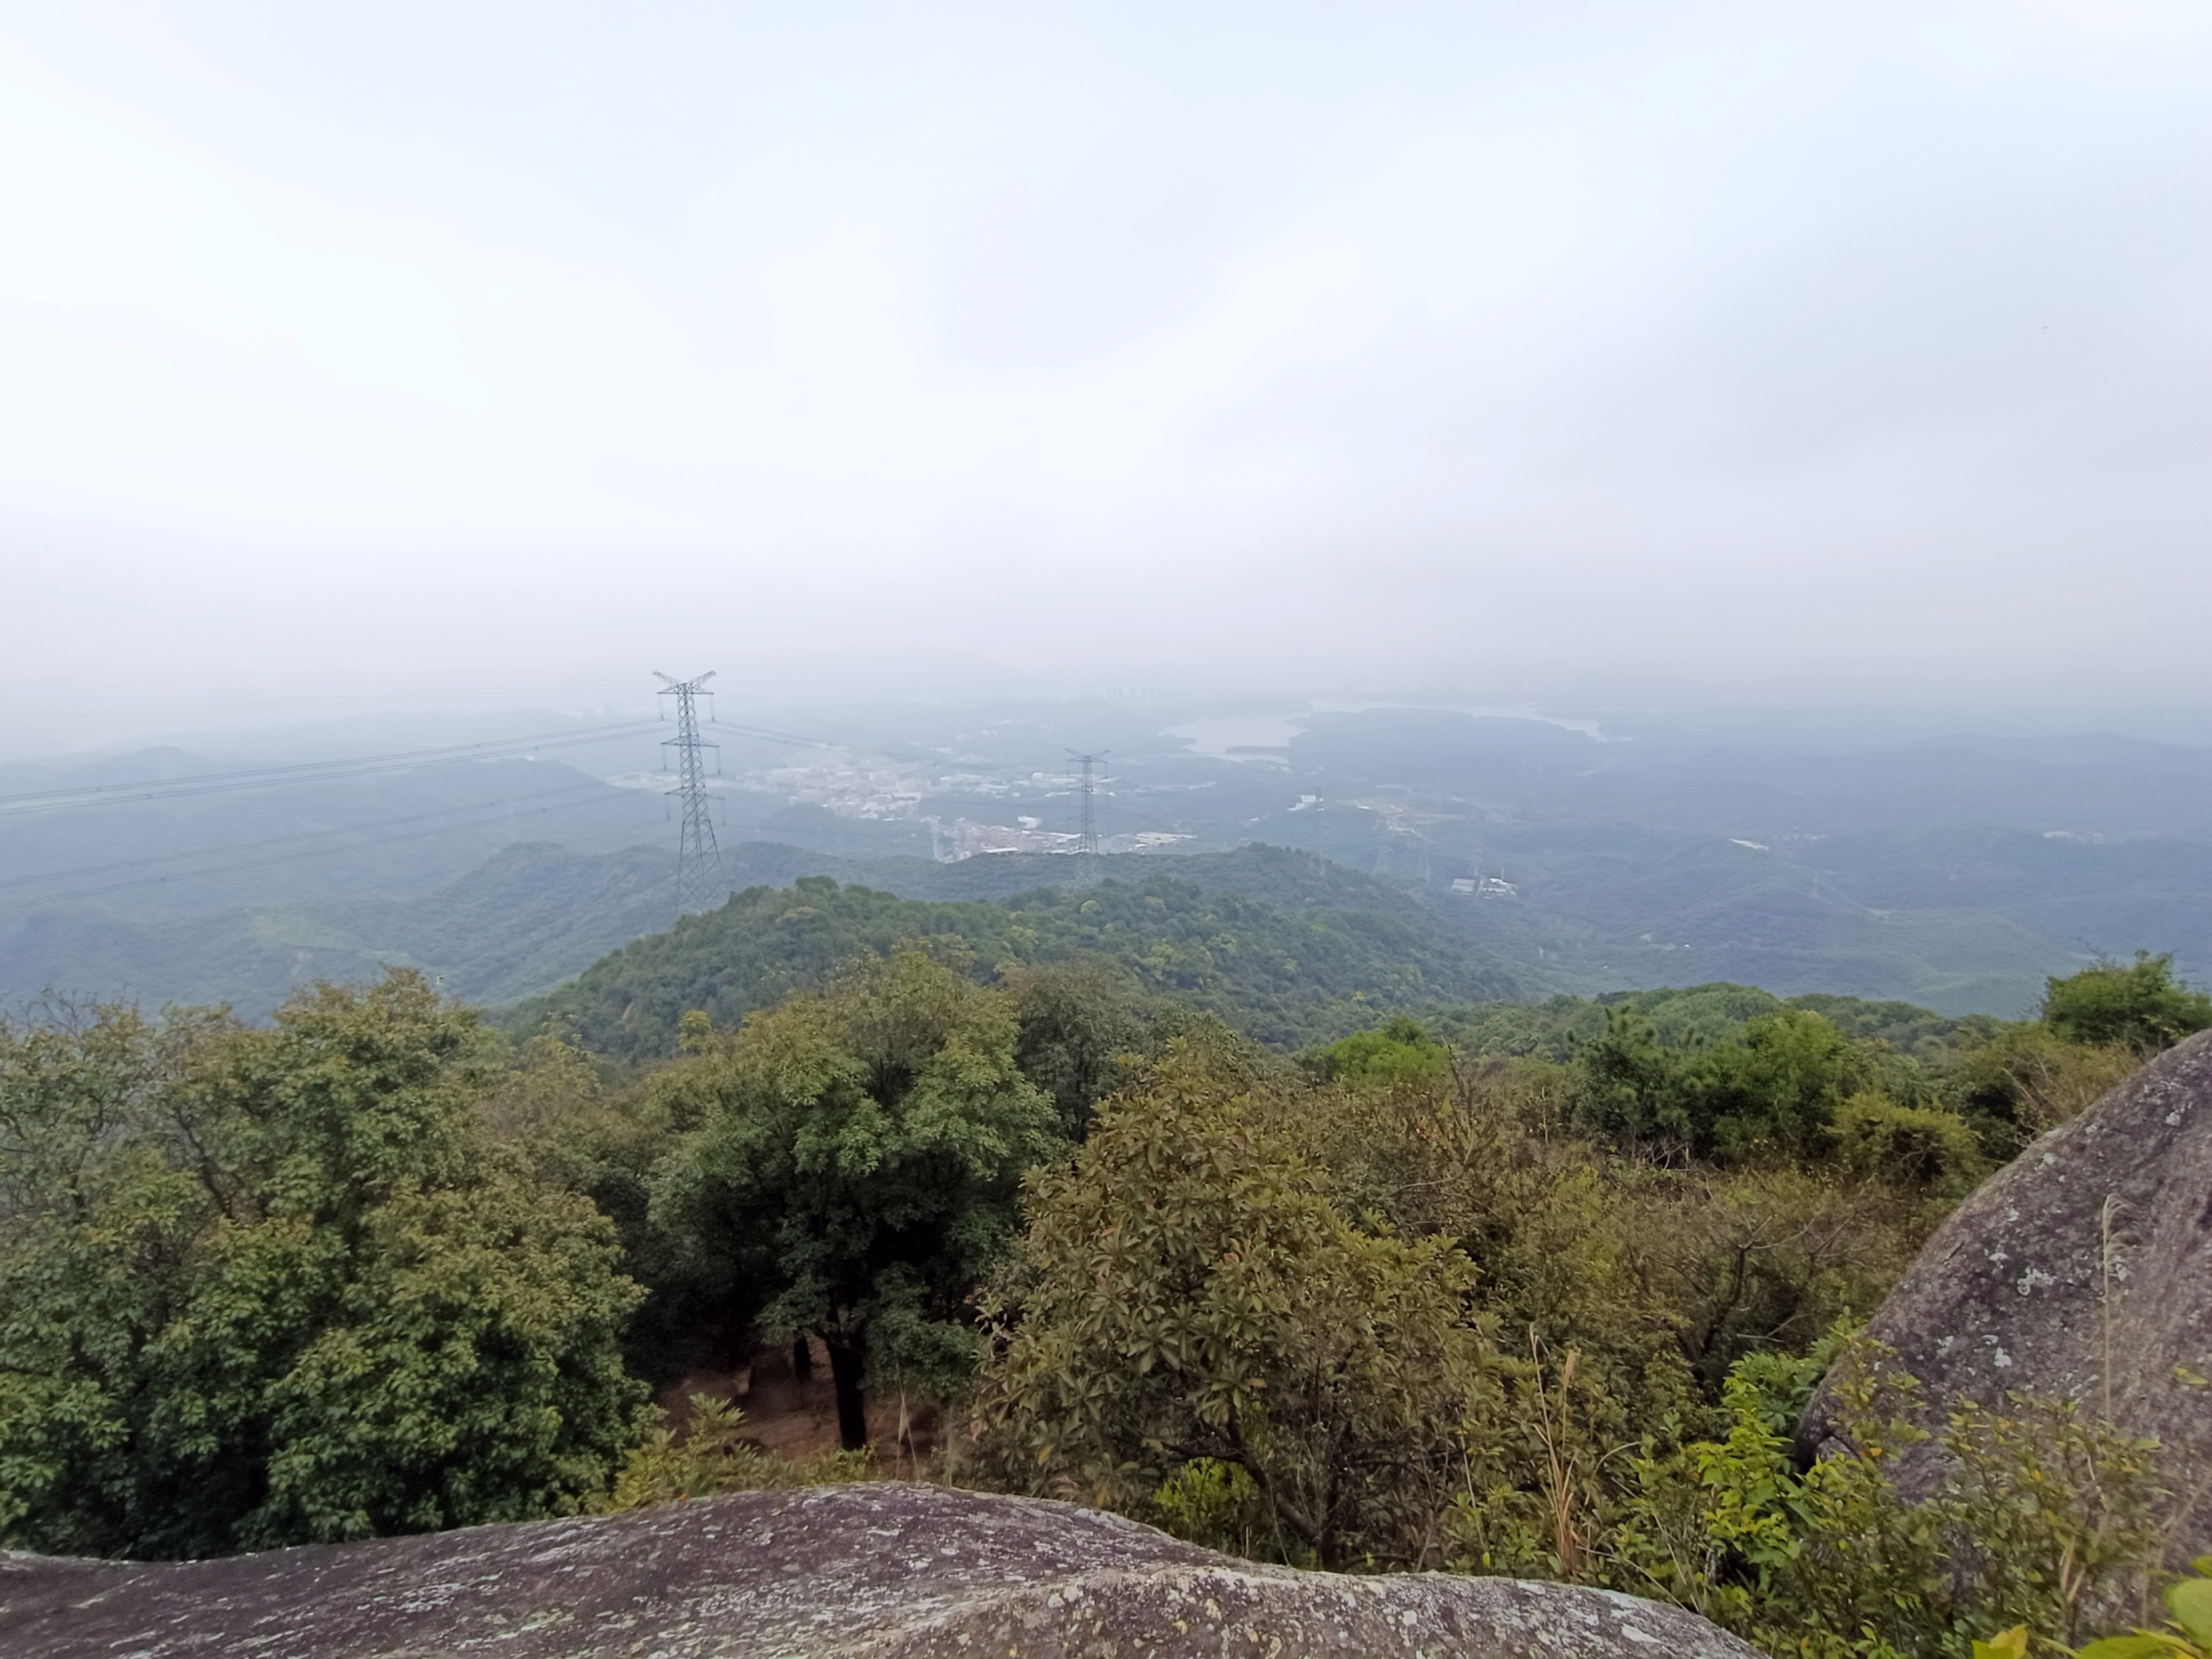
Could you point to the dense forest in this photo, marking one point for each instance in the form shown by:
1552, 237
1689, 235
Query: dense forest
1137, 1186
1285, 977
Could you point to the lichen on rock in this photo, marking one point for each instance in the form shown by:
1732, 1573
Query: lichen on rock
2094, 1245
878, 1571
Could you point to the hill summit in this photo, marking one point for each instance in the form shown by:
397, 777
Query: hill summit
1290, 973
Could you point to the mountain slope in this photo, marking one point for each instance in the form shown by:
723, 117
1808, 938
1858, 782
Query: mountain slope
1287, 976
520, 923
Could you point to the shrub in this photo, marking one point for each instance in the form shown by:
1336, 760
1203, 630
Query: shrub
1918, 1148
2029, 1079
2188, 1634
2138, 1005
1185, 1291
1214, 1503
1396, 1053
713, 1456
2045, 1521
1773, 1089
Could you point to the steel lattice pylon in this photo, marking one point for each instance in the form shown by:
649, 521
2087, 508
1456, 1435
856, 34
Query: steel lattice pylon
699, 882
1086, 842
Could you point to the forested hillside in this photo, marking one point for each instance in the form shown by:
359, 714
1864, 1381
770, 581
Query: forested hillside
1285, 977
1688, 1016
538, 912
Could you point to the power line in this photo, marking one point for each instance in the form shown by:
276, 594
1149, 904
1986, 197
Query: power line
27, 901
334, 832
700, 879
207, 783
773, 736
699, 882
889, 751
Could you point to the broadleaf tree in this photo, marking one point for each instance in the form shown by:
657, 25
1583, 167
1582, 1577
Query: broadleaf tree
272, 1286
858, 1165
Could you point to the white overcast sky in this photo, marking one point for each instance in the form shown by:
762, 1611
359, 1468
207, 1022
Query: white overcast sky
415, 352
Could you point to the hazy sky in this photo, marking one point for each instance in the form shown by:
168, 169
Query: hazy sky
410, 352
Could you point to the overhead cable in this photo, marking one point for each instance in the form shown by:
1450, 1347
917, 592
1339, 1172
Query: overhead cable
331, 833
27, 901
208, 783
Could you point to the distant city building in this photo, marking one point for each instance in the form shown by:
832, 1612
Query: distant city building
963, 838
1484, 887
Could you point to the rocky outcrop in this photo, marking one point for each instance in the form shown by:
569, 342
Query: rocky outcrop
880, 1570
2096, 1239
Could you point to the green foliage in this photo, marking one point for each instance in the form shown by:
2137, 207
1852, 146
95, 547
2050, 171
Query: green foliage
2046, 1520
2188, 1634
2059, 1511
2027, 1079
261, 1287
858, 1161
713, 1456
1283, 976
1185, 1291
1079, 1036
1658, 1277
1398, 1052
1216, 1504
1810, 1565
550, 1110
1152, 1333
1918, 1148
2096, 1027
1697, 1015
1776, 1086
2138, 1006
1727, 1071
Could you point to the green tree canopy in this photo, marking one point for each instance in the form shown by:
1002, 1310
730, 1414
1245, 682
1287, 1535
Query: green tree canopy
858, 1160
263, 1288
1078, 1029
1187, 1295
2137, 1005
1285, 977
1776, 1085
1399, 1051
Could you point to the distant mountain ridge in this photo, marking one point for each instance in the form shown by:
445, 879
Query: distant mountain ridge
523, 921
537, 914
1955, 871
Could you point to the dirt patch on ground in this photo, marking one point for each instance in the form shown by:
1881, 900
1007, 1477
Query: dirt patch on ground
795, 1416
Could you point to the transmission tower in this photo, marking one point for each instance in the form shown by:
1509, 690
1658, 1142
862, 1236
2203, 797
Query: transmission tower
699, 882
1087, 842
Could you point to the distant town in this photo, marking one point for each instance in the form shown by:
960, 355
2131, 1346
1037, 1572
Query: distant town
862, 787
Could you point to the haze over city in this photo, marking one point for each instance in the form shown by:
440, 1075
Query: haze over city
427, 357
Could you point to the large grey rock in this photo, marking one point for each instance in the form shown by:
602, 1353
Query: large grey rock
882, 1571
2011, 1293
